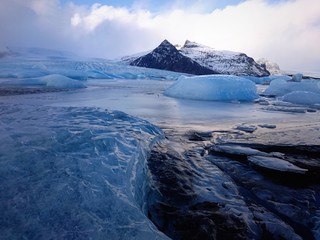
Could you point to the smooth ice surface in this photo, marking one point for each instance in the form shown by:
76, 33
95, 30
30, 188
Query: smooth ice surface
276, 164
213, 87
73, 173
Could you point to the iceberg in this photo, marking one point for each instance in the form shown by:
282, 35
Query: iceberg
302, 97
280, 87
213, 88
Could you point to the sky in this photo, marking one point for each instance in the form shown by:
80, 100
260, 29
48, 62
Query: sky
284, 31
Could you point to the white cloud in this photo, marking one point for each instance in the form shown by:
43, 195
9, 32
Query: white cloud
287, 32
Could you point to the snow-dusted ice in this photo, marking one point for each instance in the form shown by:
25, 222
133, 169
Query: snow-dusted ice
214, 88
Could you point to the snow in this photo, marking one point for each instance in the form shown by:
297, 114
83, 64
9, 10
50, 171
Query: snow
223, 62
213, 88
276, 164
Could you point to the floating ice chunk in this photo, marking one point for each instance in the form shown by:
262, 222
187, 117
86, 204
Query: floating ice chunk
280, 87
246, 128
213, 87
60, 81
302, 97
297, 77
277, 164
266, 125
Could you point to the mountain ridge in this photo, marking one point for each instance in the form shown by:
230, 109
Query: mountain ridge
188, 58
167, 57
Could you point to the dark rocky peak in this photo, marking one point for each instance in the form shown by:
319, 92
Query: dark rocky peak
166, 48
167, 57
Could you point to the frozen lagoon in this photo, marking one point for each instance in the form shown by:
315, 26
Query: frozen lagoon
109, 182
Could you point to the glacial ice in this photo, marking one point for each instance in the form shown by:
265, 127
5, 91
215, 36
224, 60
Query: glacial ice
267, 79
213, 88
60, 81
280, 87
80, 69
52, 81
302, 97
74, 173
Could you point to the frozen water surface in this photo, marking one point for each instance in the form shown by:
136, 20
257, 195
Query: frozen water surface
74, 167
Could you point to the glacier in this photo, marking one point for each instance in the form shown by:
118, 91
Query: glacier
119, 159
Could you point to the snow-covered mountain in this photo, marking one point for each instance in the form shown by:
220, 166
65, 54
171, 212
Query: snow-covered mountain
272, 67
223, 62
167, 57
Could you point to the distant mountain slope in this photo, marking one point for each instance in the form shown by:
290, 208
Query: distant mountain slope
223, 62
4, 51
272, 67
167, 57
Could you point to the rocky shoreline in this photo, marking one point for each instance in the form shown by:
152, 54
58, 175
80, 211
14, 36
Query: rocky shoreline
201, 191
